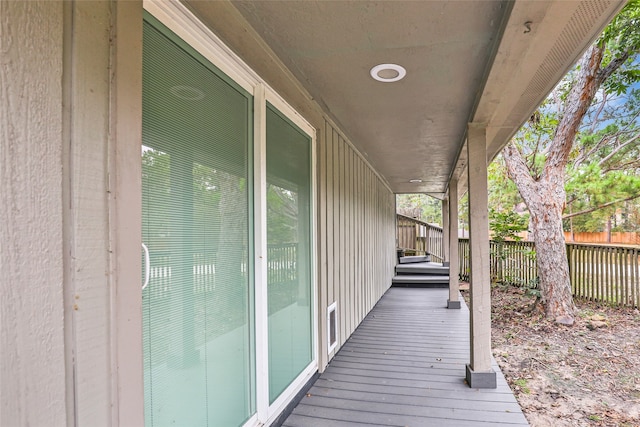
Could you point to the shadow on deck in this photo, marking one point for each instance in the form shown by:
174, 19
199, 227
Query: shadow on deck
405, 366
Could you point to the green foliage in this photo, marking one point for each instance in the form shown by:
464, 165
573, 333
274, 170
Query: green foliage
156, 185
532, 289
522, 384
603, 172
588, 186
503, 193
282, 204
463, 212
282, 214
505, 225
605, 166
420, 206
622, 37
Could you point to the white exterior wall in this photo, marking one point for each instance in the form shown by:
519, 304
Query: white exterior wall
32, 363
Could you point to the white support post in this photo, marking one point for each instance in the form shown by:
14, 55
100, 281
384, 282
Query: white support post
479, 373
452, 237
445, 232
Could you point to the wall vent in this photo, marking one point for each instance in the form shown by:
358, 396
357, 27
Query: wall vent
332, 326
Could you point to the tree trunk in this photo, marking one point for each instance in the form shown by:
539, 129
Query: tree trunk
231, 294
545, 196
551, 259
545, 199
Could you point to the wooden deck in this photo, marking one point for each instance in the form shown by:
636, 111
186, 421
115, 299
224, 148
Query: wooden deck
405, 366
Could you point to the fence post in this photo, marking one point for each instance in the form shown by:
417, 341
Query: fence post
452, 237
446, 231
569, 258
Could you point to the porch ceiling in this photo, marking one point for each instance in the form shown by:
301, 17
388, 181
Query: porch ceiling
466, 61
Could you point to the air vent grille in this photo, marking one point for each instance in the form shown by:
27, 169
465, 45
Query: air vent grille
332, 326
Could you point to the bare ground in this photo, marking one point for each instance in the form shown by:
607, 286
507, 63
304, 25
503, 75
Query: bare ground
584, 375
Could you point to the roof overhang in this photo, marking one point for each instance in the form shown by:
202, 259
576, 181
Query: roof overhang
487, 62
540, 43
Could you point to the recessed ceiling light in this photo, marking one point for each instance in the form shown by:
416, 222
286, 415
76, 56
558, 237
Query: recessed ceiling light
388, 73
187, 92
415, 181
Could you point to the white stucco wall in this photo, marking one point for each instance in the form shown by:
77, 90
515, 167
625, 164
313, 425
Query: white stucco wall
32, 364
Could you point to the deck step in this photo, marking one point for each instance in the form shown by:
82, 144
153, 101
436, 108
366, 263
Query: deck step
421, 280
428, 268
414, 259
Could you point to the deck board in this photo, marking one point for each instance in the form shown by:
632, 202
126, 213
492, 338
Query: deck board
404, 366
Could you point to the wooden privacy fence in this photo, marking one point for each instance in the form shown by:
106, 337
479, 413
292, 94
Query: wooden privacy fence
510, 262
605, 273
416, 237
600, 273
204, 293
281, 268
624, 238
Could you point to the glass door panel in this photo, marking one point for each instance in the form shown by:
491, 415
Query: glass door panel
290, 321
198, 333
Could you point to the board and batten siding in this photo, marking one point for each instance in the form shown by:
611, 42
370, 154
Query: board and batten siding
356, 235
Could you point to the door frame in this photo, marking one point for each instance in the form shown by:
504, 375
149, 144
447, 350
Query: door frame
273, 410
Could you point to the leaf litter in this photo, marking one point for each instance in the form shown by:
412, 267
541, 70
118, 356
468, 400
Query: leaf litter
587, 374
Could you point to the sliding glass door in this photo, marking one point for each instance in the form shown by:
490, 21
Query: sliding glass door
289, 251
203, 363
198, 325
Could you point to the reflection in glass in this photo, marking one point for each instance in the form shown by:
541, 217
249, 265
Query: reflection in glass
289, 244
198, 305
